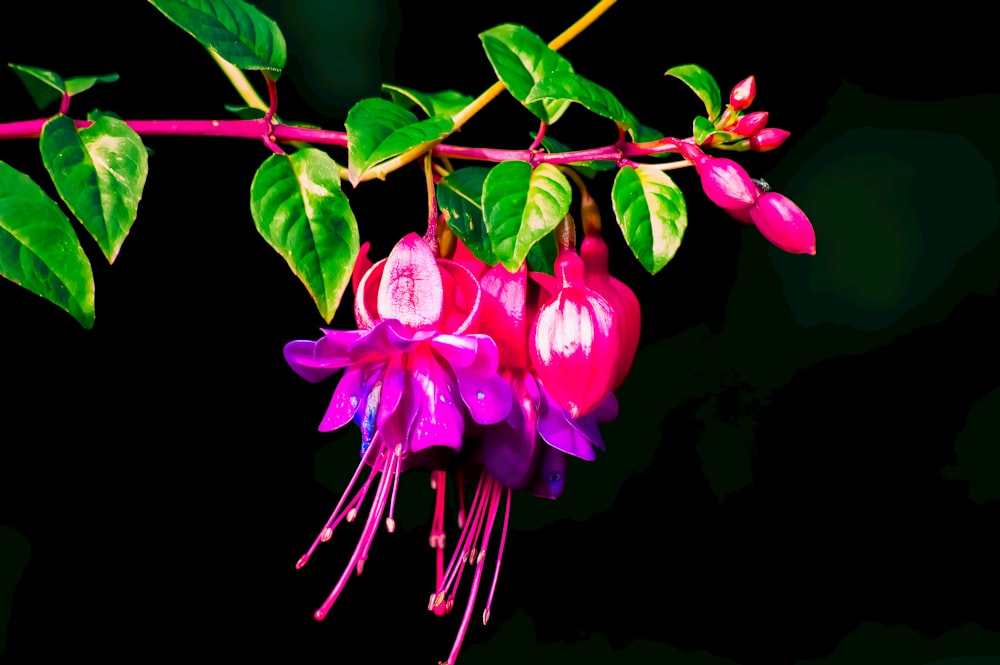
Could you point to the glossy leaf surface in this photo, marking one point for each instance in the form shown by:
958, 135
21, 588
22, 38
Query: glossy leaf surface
521, 59
239, 32
39, 249
703, 85
651, 213
300, 210
99, 172
459, 197
521, 206
378, 130
445, 103
572, 87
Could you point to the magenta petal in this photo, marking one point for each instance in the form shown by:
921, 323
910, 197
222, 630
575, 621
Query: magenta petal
511, 450
784, 224
558, 433
394, 385
504, 312
315, 361
410, 290
435, 418
457, 350
487, 397
345, 401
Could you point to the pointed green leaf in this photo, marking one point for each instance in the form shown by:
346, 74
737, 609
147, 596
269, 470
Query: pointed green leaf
299, 208
575, 88
459, 198
43, 85
378, 130
445, 103
521, 206
239, 32
78, 84
542, 255
702, 129
39, 250
520, 59
703, 84
651, 213
99, 172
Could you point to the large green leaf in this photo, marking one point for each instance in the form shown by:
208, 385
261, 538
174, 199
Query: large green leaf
572, 87
378, 130
521, 206
299, 208
99, 172
46, 86
520, 59
651, 213
704, 86
239, 32
445, 103
459, 198
39, 250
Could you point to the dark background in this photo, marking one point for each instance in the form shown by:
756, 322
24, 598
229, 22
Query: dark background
805, 466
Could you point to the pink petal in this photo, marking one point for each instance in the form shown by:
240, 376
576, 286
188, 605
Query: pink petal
410, 290
784, 224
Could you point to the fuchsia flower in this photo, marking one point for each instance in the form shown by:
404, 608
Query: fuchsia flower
729, 186
413, 377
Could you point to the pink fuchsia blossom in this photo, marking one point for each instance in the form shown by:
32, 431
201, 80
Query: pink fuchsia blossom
573, 341
783, 223
414, 376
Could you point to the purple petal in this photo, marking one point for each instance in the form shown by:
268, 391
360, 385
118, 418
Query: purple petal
435, 419
488, 398
346, 399
560, 434
550, 477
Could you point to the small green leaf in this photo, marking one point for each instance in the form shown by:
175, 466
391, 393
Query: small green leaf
703, 84
521, 59
459, 197
575, 88
300, 210
39, 250
44, 86
542, 255
521, 206
99, 172
239, 32
702, 129
445, 103
78, 84
378, 130
651, 213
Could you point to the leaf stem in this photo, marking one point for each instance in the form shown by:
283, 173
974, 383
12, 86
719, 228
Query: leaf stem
240, 82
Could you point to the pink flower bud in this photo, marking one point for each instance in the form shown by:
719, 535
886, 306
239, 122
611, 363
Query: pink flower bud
783, 223
573, 343
751, 123
727, 184
768, 139
743, 93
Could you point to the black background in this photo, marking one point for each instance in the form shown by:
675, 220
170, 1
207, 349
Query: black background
161, 473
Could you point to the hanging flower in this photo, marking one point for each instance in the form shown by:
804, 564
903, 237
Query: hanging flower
414, 375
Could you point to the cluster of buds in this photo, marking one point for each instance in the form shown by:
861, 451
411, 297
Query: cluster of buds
460, 366
728, 186
741, 130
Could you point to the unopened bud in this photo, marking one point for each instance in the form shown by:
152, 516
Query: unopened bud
768, 139
743, 93
751, 123
783, 223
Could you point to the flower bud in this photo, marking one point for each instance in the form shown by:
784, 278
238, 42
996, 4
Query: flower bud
573, 342
768, 139
725, 182
783, 223
751, 123
743, 93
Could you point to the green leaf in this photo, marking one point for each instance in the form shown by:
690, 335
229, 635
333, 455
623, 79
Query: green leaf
39, 250
542, 255
378, 130
521, 59
521, 206
239, 32
459, 198
44, 86
300, 210
702, 129
703, 84
78, 84
99, 172
575, 88
445, 103
651, 213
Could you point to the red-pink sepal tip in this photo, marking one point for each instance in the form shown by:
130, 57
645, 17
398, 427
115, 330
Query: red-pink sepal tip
743, 93
751, 123
768, 139
573, 342
784, 224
